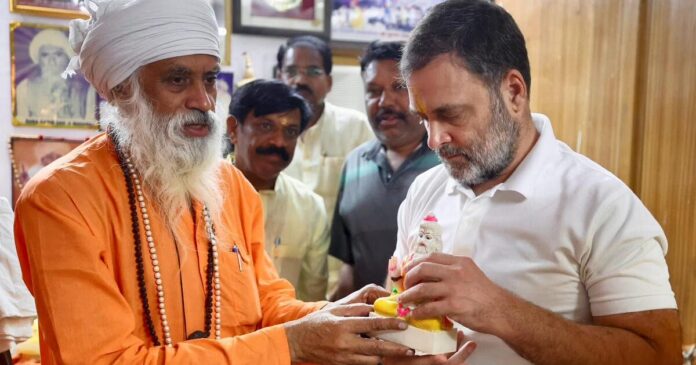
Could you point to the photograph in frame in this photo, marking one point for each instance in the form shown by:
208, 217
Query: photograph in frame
283, 18
358, 22
225, 87
28, 155
41, 97
49, 8
223, 15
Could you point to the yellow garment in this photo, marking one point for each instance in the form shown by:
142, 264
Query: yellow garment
75, 245
30, 348
297, 236
388, 306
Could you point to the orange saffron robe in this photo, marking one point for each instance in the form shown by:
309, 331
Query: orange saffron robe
75, 244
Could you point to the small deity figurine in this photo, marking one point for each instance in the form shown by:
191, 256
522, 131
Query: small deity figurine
429, 241
429, 335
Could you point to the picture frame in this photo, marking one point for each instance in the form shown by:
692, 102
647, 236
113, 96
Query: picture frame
223, 15
49, 8
29, 154
225, 88
71, 9
355, 24
40, 96
282, 18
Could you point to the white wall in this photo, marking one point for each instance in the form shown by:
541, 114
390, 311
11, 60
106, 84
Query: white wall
348, 88
261, 49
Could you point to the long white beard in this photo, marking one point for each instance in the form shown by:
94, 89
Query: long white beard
174, 169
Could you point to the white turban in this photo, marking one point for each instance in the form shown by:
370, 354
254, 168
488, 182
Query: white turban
124, 35
49, 37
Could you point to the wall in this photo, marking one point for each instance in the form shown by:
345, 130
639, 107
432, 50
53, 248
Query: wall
583, 60
6, 127
666, 158
618, 80
262, 51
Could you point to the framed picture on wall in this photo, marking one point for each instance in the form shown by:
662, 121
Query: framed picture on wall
28, 155
223, 15
50, 8
356, 23
41, 97
283, 18
225, 87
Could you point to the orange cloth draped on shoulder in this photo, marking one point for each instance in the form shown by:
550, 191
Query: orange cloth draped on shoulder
75, 243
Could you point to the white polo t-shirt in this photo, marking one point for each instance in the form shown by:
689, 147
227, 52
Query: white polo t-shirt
562, 232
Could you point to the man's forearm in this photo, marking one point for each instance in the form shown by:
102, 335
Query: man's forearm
545, 338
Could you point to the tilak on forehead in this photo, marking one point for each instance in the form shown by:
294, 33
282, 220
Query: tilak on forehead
124, 35
416, 103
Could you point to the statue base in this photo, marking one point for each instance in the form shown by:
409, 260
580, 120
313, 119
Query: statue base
422, 341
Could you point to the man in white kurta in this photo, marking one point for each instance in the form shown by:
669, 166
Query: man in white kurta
17, 310
305, 64
297, 236
266, 119
322, 149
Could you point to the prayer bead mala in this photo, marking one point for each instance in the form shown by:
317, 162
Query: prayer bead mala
212, 271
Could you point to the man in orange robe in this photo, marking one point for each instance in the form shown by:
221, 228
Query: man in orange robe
143, 245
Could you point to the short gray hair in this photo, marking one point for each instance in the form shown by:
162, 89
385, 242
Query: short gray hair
480, 34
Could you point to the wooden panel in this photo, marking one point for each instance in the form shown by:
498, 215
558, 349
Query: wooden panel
618, 80
583, 56
667, 160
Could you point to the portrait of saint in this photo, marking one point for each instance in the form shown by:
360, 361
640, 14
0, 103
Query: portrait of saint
41, 95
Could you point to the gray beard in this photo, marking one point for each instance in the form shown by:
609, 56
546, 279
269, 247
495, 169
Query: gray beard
488, 156
174, 169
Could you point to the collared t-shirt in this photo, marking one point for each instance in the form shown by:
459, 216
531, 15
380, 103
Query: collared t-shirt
561, 232
297, 236
321, 150
363, 233
75, 244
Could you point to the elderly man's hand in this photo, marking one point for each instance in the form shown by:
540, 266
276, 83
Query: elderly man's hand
334, 336
366, 295
465, 348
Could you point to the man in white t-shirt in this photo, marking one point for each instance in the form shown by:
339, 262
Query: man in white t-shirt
547, 257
